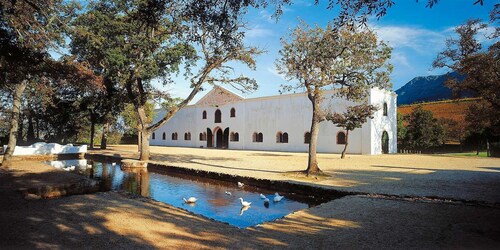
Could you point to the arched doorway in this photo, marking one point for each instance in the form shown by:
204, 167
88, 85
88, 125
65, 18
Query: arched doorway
385, 142
225, 139
210, 138
219, 138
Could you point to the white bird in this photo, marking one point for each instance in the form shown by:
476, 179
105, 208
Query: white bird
262, 196
190, 200
240, 184
113, 164
228, 193
70, 168
245, 203
278, 197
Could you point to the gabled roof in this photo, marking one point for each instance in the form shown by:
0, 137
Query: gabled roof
219, 96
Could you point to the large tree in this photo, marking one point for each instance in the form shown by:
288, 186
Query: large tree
27, 30
480, 71
348, 60
423, 130
137, 42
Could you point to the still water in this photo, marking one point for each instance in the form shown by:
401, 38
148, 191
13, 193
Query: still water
213, 202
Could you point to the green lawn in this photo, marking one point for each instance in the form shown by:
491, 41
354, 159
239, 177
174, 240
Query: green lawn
470, 154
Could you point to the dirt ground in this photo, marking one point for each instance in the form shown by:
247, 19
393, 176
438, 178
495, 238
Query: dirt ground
116, 220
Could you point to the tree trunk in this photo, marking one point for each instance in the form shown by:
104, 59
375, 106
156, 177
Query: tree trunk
30, 135
346, 143
144, 133
104, 138
144, 146
92, 132
37, 122
20, 135
16, 103
488, 148
478, 146
312, 165
138, 140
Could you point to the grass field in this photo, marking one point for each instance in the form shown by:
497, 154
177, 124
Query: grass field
470, 154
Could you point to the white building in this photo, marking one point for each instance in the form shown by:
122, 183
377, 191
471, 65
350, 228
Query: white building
222, 119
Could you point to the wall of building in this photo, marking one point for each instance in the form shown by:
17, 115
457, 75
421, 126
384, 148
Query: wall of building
286, 113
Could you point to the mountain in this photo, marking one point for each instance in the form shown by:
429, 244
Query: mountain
426, 89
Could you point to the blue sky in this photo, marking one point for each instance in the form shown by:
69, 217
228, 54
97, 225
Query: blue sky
415, 32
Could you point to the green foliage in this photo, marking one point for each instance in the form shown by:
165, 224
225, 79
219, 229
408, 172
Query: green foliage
402, 130
350, 60
423, 130
131, 119
354, 117
479, 69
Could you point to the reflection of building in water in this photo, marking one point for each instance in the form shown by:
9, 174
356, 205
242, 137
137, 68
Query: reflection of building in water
222, 119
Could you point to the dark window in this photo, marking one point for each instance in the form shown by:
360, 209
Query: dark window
385, 108
203, 136
257, 137
279, 137
174, 136
233, 112
282, 137
234, 136
164, 136
218, 115
340, 138
307, 138
204, 115
153, 136
285, 137
187, 136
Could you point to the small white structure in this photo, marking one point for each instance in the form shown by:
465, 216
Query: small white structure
222, 119
42, 148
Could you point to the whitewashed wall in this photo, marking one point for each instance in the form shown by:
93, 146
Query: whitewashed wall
285, 113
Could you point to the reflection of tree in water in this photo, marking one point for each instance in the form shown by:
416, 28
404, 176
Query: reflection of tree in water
136, 181
219, 197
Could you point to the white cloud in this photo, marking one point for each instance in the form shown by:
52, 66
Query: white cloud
420, 40
258, 32
272, 70
399, 59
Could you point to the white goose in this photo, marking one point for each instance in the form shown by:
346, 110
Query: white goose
262, 196
278, 197
245, 203
113, 164
241, 184
190, 200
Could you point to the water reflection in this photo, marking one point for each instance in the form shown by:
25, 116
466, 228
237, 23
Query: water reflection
213, 198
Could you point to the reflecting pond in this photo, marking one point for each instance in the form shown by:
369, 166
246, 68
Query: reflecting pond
213, 200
